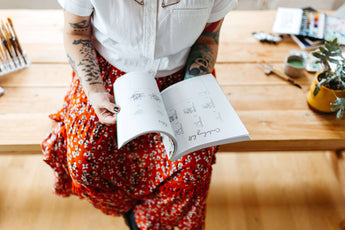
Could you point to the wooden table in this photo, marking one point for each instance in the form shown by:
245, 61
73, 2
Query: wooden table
275, 113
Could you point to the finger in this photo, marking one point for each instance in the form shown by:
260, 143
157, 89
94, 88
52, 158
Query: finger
111, 107
108, 119
111, 98
117, 108
105, 117
158, 138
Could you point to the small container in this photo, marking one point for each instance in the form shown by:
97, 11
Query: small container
294, 66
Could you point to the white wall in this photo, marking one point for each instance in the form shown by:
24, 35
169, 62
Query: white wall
29, 4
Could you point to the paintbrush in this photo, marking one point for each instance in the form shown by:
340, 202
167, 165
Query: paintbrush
16, 39
268, 69
12, 56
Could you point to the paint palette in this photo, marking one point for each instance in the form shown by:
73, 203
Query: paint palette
12, 56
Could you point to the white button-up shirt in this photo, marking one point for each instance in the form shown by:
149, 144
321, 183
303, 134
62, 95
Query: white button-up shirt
148, 37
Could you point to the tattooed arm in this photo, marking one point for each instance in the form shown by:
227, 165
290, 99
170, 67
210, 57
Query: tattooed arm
82, 57
203, 54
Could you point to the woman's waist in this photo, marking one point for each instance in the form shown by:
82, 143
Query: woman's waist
128, 60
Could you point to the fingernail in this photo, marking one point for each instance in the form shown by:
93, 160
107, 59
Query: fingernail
116, 109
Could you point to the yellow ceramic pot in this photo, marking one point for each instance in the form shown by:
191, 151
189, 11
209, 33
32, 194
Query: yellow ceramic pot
322, 101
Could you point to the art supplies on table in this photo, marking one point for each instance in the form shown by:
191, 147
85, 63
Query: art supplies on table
307, 43
311, 61
267, 37
309, 23
294, 66
12, 56
268, 69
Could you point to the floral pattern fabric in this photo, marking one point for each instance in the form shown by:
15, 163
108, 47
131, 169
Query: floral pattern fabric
84, 156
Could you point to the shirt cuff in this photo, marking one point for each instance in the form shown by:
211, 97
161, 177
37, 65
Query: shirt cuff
221, 14
77, 7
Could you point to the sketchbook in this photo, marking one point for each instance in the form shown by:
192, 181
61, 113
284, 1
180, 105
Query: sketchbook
309, 23
190, 115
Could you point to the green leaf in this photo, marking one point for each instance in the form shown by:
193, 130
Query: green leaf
316, 90
338, 52
335, 107
318, 55
323, 81
323, 50
340, 114
328, 46
332, 60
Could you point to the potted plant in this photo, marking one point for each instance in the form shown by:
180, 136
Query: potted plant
327, 93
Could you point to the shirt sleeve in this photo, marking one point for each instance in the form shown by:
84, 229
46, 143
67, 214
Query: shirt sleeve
220, 9
77, 7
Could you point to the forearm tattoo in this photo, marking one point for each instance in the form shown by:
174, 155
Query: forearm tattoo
88, 68
203, 54
213, 30
200, 60
72, 62
213, 35
80, 26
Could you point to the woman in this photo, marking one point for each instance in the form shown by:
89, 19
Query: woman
170, 39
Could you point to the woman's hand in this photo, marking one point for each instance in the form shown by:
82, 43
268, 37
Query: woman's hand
82, 56
105, 108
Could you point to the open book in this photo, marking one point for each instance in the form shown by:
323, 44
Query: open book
189, 115
309, 23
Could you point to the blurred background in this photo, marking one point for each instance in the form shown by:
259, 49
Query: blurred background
243, 4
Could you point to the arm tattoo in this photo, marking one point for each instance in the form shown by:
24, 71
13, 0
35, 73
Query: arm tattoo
88, 66
200, 60
203, 54
80, 26
72, 62
213, 30
214, 35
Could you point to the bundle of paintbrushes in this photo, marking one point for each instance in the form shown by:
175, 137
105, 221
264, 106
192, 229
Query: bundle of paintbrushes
12, 56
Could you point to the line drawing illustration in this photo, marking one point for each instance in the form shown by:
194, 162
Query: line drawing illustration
190, 109
163, 123
203, 93
139, 112
198, 122
172, 115
160, 112
208, 104
178, 129
219, 117
137, 96
155, 97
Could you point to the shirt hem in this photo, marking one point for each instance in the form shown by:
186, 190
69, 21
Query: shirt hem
75, 8
221, 14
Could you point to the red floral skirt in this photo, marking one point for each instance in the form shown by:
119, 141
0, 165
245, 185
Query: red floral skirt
87, 163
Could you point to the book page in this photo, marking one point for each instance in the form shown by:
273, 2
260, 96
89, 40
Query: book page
201, 115
288, 21
142, 108
297, 21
